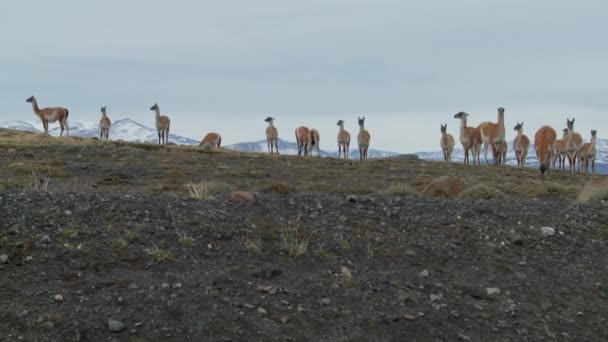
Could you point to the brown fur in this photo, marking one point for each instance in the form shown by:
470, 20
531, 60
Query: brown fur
470, 138
51, 114
363, 139
272, 136
544, 140
493, 134
303, 140
559, 152
444, 186
588, 152
593, 188
314, 141
501, 152
574, 141
521, 145
162, 125
104, 125
343, 140
212, 140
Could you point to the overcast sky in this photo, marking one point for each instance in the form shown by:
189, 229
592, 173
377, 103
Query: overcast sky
225, 65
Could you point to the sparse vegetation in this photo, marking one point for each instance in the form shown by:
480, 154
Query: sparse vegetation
159, 255
293, 243
253, 245
398, 189
206, 189
40, 181
482, 192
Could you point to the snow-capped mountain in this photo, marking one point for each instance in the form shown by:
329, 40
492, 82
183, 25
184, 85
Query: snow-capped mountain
601, 159
124, 129
291, 148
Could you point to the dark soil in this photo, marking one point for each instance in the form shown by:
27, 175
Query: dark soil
321, 254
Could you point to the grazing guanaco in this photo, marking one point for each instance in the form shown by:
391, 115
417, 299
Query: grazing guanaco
211, 140
501, 152
574, 141
272, 136
559, 151
303, 140
162, 125
588, 151
104, 124
544, 140
363, 139
470, 138
51, 114
492, 134
447, 143
343, 140
314, 142
520, 144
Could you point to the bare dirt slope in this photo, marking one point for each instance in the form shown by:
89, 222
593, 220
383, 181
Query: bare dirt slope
328, 250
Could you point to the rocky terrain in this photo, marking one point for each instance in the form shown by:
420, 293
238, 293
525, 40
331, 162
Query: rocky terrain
136, 242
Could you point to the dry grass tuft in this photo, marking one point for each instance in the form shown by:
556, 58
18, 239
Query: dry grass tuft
40, 181
279, 188
207, 189
482, 192
293, 243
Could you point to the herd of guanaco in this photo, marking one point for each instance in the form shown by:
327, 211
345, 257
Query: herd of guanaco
549, 150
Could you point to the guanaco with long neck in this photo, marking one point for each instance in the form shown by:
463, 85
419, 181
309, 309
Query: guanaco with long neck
470, 138
162, 125
363, 139
51, 114
588, 151
104, 124
493, 134
303, 140
272, 136
211, 140
520, 144
343, 140
447, 143
314, 142
574, 141
544, 141
559, 151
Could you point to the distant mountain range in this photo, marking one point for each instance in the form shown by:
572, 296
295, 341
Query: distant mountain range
130, 130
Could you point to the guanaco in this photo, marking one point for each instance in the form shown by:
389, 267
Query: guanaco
588, 151
162, 125
104, 124
520, 144
544, 140
303, 140
501, 152
272, 136
470, 138
363, 139
314, 142
211, 140
574, 141
447, 143
51, 114
343, 140
492, 134
559, 151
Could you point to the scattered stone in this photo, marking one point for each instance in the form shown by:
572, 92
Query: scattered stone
270, 289
45, 239
3, 259
409, 317
435, 297
346, 272
517, 240
454, 314
547, 231
68, 213
262, 311
493, 291
325, 301
444, 186
284, 319
410, 253
424, 274
58, 298
241, 196
115, 326
176, 286
351, 199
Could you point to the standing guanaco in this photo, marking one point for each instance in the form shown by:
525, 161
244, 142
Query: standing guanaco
104, 124
51, 114
343, 140
272, 135
363, 139
162, 125
544, 140
520, 144
447, 143
470, 138
303, 140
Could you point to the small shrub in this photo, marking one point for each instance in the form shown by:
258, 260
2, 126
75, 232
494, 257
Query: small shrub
345, 245
293, 244
185, 240
160, 255
482, 192
322, 253
398, 189
253, 246
120, 243
206, 189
